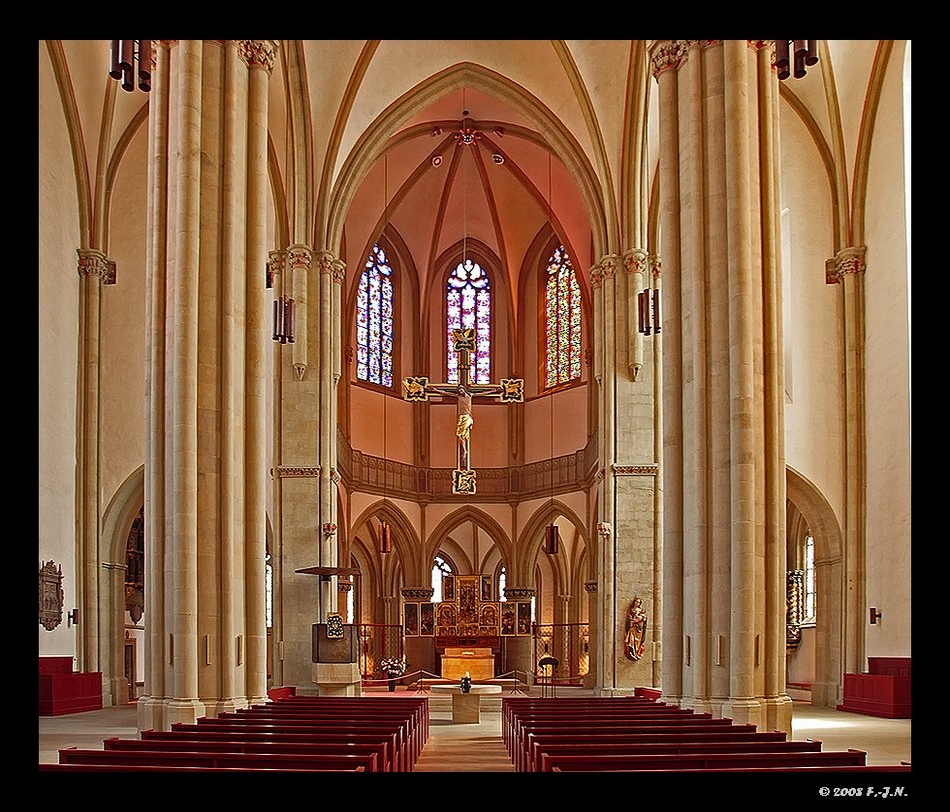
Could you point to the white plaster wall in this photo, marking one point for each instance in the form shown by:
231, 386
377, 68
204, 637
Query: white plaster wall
814, 408
888, 381
122, 344
58, 338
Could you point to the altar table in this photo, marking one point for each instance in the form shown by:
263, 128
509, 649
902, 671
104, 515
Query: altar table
466, 707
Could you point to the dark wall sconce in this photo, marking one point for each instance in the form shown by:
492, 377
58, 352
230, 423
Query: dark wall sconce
72, 618
648, 311
385, 539
875, 615
284, 310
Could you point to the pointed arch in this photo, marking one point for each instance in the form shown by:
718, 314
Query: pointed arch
476, 516
532, 536
117, 518
373, 142
827, 689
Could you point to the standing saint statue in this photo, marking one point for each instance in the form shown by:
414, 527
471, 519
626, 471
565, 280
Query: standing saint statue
635, 638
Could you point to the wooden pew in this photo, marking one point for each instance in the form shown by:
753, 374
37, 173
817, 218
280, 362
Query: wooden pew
244, 761
796, 770
409, 738
395, 761
393, 732
176, 768
416, 706
595, 748
416, 723
650, 726
530, 760
515, 708
702, 761
190, 744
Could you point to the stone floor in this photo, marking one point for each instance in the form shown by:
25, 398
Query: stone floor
478, 747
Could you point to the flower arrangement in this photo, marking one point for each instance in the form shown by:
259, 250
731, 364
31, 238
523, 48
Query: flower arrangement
393, 666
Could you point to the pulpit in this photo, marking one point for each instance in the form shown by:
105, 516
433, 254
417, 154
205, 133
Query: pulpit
478, 662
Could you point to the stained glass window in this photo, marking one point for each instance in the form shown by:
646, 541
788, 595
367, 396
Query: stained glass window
468, 297
562, 301
374, 321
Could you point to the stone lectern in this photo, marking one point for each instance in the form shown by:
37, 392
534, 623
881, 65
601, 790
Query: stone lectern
326, 649
336, 670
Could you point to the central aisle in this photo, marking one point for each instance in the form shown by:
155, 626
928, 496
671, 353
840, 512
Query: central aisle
464, 747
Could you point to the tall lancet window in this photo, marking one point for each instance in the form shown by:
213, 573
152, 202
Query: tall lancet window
468, 300
374, 321
562, 306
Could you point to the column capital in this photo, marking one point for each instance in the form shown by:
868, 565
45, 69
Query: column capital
636, 260
850, 260
519, 592
667, 55
338, 269
417, 593
275, 263
596, 277
93, 262
259, 53
608, 265
325, 260
590, 587
282, 471
299, 258
656, 265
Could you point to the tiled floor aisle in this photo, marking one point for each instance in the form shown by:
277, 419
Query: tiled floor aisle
479, 748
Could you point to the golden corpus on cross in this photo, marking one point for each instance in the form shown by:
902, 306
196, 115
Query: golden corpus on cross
509, 390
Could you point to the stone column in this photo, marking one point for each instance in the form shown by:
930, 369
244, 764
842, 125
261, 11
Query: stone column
847, 269
94, 269
666, 58
723, 543
207, 336
259, 56
635, 263
150, 704
608, 495
299, 258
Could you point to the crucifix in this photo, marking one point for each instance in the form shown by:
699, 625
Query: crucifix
510, 390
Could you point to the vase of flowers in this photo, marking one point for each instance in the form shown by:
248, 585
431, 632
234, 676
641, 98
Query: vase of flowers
393, 667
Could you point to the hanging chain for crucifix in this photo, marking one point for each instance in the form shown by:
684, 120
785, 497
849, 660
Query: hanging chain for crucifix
509, 390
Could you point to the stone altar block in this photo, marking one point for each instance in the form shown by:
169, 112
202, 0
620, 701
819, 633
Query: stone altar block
466, 708
338, 679
479, 663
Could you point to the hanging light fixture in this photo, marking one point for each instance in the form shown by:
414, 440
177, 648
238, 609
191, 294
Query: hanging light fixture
125, 53
551, 537
792, 56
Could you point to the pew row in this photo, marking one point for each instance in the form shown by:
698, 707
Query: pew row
243, 761
406, 743
387, 744
541, 749
394, 733
605, 762
238, 745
